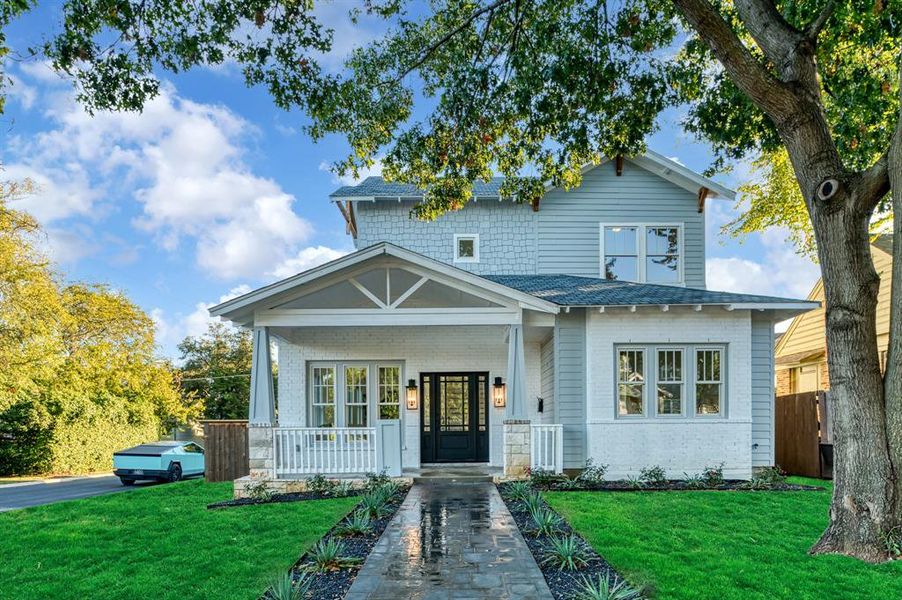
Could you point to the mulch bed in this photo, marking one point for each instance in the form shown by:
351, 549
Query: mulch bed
564, 585
275, 498
334, 585
676, 485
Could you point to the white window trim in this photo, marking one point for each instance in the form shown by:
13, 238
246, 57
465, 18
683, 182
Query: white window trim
466, 236
312, 394
682, 382
401, 389
617, 382
372, 390
640, 249
650, 395
722, 383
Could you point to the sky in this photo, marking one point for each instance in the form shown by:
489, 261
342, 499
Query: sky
213, 191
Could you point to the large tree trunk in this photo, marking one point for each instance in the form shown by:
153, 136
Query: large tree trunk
863, 505
892, 380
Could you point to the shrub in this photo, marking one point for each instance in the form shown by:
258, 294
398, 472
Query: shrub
765, 479
376, 480
569, 484
286, 587
358, 523
654, 475
518, 490
318, 484
713, 476
593, 474
258, 490
343, 489
693, 482
604, 588
329, 555
634, 482
543, 477
566, 553
544, 522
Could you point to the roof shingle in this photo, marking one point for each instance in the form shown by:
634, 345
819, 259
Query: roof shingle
570, 290
376, 187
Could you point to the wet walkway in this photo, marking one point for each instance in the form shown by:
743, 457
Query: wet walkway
451, 541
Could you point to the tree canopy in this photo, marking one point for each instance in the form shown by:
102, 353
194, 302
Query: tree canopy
79, 377
216, 371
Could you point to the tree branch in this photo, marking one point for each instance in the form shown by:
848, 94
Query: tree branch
815, 27
744, 69
444, 39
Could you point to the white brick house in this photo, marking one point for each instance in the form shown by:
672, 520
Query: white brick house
513, 335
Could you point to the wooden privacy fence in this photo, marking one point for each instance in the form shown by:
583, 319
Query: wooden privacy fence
225, 445
802, 430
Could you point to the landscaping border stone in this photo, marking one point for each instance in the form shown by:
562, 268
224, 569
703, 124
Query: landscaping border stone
564, 585
334, 585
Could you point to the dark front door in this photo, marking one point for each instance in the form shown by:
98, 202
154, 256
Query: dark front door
455, 417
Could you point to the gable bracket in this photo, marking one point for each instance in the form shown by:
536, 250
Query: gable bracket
618, 165
702, 194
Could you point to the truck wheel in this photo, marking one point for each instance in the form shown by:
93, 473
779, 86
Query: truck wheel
127, 482
175, 473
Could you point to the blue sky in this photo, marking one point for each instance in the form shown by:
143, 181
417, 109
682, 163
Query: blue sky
213, 190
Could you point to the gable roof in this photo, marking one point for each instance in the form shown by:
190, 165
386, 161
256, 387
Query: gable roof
238, 308
570, 290
375, 186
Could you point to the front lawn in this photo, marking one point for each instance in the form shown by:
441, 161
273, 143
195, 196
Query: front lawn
723, 545
158, 542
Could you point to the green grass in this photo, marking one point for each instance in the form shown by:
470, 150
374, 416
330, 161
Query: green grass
723, 545
158, 542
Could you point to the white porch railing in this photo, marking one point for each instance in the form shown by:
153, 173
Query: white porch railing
326, 450
546, 447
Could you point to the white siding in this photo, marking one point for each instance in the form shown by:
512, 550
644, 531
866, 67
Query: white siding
547, 388
568, 224
570, 384
682, 444
762, 391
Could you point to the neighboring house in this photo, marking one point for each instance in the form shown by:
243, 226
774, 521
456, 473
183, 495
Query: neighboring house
516, 335
801, 352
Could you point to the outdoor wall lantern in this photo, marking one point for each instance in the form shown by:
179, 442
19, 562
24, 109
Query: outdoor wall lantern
499, 393
413, 398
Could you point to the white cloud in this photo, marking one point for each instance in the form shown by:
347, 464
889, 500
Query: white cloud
170, 332
781, 273
182, 161
306, 259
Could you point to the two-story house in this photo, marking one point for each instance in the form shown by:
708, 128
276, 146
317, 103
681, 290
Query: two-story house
516, 335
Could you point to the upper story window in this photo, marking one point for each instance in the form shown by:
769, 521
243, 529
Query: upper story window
643, 253
466, 247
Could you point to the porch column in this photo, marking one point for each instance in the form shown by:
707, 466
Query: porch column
262, 409
516, 425
516, 374
262, 405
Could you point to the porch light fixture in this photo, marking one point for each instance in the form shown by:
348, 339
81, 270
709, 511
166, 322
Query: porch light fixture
413, 397
499, 393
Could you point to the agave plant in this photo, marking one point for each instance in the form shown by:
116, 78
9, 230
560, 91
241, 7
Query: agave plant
533, 502
374, 504
286, 587
329, 555
566, 553
544, 522
517, 490
358, 523
606, 589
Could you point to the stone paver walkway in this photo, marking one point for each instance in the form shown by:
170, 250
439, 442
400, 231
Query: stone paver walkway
451, 541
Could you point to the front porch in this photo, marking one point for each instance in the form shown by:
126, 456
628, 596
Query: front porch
389, 361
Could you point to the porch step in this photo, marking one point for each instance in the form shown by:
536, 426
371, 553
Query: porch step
454, 474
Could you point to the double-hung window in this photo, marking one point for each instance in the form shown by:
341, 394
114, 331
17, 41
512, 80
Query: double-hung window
708, 381
389, 392
642, 253
670, 381
323, 397
630, 381
356, 396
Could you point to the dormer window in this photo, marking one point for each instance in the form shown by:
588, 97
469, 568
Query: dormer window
466, 248
642, 253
